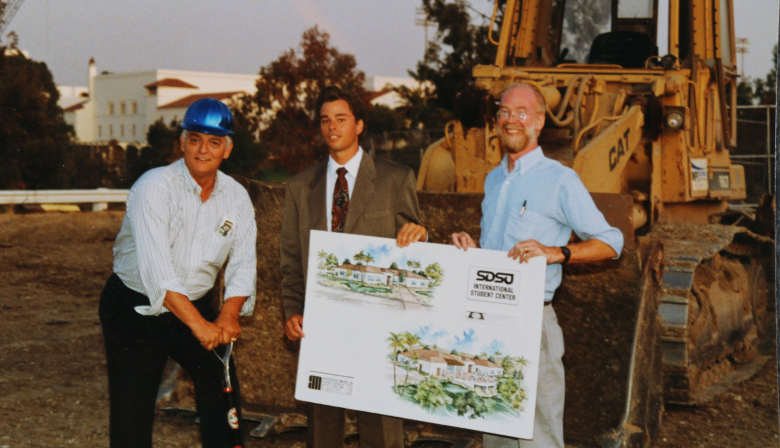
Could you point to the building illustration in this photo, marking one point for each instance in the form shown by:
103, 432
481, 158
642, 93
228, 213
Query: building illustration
414, 287
448, 382
371, 275
476, 374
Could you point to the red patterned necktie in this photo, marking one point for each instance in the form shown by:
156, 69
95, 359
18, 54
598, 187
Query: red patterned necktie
340, 202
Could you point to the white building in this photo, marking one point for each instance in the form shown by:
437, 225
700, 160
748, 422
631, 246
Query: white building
372, 275
122, 106
472, 373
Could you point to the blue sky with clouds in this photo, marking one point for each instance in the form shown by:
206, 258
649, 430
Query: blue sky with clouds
464, 341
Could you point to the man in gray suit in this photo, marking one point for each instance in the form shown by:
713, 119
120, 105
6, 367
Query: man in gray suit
352, 192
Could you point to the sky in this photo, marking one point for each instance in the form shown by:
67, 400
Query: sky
240, 36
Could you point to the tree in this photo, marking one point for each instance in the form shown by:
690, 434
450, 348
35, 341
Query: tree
411, 340
468, 45
471, 405
360, 256
287, 92
346, 261
369, 258
420, 111
331, 261
765, 89
248, 153
431, 395
402, 277
162, 147
394, 265
34, 137
413, 264
435, 273
397, 343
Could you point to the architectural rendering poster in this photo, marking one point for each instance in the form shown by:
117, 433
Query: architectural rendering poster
428, 332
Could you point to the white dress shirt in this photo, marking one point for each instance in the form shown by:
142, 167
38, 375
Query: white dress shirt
352, 170
171, 241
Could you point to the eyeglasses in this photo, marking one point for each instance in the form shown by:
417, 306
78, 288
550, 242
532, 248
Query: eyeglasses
505, 114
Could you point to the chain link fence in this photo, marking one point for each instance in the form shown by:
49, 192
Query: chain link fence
756, 149
405, 147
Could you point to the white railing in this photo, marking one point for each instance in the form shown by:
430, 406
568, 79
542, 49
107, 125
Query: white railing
99, 198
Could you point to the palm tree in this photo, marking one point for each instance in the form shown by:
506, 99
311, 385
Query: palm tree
362, 256
368, 258
410, 340
397, 343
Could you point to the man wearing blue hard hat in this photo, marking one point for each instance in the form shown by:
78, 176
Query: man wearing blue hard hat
183, 222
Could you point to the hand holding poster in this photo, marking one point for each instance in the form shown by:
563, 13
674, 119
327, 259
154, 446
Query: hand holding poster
428, 332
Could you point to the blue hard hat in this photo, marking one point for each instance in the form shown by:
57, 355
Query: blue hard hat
209, 116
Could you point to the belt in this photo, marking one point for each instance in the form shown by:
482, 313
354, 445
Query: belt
548, 303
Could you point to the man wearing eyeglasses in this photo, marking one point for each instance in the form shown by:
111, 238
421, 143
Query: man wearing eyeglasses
532, 204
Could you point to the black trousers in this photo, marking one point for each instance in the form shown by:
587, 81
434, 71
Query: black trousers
137, 348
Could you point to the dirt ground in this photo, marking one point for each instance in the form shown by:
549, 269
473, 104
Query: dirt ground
53, 386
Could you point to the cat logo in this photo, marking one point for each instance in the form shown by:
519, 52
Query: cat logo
618, 150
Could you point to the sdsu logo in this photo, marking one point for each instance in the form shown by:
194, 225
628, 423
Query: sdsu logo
487, 285
495, 277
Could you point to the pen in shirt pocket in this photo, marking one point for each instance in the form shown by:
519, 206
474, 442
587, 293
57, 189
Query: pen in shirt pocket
522, 210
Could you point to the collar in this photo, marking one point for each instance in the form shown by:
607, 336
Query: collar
525, 162
190, 182
353, 166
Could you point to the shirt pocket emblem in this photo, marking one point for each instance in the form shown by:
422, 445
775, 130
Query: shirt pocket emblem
226, 226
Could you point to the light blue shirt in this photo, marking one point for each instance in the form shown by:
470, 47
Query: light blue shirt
556, 202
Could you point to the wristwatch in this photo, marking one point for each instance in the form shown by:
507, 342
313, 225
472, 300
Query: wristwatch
566, 254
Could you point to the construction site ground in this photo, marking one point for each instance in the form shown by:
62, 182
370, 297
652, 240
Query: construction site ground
53, 385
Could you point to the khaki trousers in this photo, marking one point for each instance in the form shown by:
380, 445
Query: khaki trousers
326, 428
550, 392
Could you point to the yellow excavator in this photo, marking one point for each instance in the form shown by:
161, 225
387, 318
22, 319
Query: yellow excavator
649, 131
649, 134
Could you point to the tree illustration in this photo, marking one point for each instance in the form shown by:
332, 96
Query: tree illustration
358, 256
331, 261
402, 277
454, 352
322, 255
368, 258
413, 264
431, 395
410, 340
435, 273
483, 355
394, 265
346, 261
470, 404
397, 343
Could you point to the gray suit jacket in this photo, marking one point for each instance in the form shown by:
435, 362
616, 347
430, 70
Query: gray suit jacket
384, 198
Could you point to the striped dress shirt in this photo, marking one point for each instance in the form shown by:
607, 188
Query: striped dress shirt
171, 241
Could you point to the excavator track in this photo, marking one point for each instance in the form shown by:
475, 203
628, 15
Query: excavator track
712, 303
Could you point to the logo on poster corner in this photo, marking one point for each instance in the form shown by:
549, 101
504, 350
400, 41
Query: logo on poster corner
490, 285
